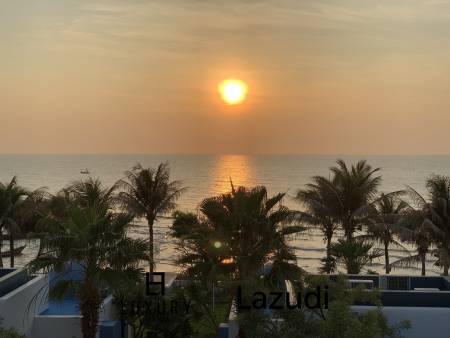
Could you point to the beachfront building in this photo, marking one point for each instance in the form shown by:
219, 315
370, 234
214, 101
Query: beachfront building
25, 306
422, 300
21, 299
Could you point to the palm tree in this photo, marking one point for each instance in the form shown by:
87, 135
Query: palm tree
429, 224
438, 187
354, 254
10, 194
416, 231
149, 193
322, 208
16, 204
89, 193
357, 186
200, 247
39, 208
85, 193
383, 217
245, 227
96, 240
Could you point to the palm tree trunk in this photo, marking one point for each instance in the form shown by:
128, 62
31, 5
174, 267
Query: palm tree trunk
422, 260
90, 302
329, 254
1, 243
348, 230
151, 260
11, 249
386, 257
39, 253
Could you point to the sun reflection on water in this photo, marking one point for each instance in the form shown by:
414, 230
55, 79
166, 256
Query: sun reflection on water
238, 168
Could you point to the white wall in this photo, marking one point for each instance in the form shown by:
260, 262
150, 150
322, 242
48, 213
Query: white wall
19, 307
108, 311
57, 327
425, 321
68, 326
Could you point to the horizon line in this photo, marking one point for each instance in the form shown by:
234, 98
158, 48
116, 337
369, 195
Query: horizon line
221, 154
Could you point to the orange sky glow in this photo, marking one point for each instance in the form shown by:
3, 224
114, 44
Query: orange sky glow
358, 77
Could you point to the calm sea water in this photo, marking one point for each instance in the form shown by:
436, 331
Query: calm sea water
208, 175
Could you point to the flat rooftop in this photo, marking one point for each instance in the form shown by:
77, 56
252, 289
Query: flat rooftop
12, 279
406, 291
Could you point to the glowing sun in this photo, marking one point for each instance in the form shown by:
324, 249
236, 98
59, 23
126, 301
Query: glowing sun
233, 91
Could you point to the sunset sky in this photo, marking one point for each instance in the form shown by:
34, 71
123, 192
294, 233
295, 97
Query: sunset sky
324, 77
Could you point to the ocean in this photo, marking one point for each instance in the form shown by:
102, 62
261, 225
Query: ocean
209, 175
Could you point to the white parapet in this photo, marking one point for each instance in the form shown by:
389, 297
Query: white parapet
425, 321
19, 307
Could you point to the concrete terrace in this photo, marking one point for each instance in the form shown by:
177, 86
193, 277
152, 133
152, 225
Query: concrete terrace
407, 291
25, 306
11, 279
21, 299
423, 301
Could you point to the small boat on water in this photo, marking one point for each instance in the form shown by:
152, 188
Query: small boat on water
17, 251
84, 171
